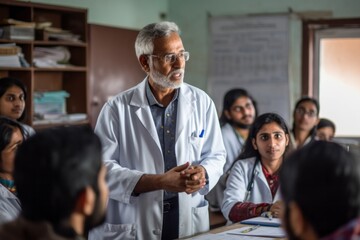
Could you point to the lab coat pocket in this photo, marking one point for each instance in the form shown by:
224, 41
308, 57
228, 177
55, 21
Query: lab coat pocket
201, 218
195, 148
119, 231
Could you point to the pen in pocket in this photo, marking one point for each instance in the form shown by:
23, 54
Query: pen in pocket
202, 133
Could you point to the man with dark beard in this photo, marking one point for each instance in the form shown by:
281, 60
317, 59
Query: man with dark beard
320, 186
60, 181
239, 113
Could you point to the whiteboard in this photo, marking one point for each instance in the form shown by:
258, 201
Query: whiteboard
251, 52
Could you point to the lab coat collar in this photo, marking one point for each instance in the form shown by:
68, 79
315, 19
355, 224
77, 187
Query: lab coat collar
185, 108
186, 100
139, 98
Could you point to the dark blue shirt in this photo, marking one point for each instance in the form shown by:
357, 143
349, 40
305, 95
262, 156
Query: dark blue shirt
165, 122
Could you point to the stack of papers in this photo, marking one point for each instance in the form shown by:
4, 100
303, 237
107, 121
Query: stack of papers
9, 55
258, 231
51, 56
224, 235
61, 118
15, 29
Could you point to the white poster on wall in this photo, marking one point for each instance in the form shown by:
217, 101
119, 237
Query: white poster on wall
251, 52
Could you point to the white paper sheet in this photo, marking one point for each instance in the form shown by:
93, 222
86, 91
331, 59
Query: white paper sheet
225, 236
275, 232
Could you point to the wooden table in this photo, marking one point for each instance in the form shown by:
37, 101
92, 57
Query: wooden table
226, 228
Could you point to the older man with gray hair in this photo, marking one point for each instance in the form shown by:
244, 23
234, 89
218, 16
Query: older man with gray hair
162, 145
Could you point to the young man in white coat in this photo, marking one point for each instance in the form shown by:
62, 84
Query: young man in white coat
162, 146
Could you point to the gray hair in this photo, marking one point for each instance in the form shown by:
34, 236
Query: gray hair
144, 43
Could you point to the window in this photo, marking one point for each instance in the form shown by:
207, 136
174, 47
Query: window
331, 73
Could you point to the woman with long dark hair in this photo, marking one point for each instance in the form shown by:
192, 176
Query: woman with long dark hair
306, 117
12, 102
252, 186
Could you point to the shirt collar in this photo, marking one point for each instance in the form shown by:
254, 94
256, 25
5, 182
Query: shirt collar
151, 98
268, 175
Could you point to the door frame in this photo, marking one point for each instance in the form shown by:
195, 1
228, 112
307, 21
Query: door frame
309, 27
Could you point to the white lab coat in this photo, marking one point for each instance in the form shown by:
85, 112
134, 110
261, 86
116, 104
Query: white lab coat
131, 148
9, 205
233, 144
239, 178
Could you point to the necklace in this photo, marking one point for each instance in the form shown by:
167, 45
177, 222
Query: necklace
9, 184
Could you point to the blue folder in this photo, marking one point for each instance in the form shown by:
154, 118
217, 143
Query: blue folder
262, 221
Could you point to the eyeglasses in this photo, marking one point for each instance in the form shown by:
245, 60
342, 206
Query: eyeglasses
239, 108
302, 111
171, 58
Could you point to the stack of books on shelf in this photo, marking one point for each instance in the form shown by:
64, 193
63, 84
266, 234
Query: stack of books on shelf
50, 103
46, 32
9, 55
17, 30
50, 107
57, 34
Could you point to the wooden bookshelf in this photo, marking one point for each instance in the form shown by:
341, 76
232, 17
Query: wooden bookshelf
74, 78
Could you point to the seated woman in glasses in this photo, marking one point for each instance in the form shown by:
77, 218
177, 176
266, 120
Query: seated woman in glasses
252, 186
11, 136
306, 117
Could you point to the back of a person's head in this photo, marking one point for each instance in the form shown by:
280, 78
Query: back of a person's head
323, 179
53, 167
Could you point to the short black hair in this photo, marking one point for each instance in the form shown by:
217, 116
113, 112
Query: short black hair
324, 122
324, 180
6, 83
230, 97
52, 168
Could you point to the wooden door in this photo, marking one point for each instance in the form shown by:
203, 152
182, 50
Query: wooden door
113, 65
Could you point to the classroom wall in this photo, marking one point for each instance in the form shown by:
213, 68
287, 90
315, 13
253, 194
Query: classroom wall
192, 17
130, 14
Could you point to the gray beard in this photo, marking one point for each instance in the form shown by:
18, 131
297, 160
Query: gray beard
164, 81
